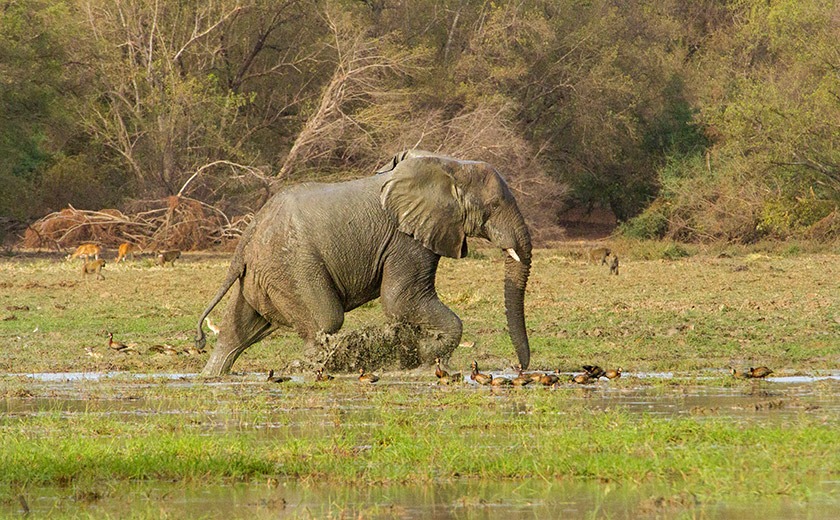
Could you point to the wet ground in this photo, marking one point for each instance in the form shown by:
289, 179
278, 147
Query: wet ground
453, 500
779, 399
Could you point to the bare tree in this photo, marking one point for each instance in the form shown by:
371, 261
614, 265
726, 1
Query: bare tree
366, 75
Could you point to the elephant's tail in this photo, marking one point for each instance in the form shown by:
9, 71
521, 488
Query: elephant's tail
234, 273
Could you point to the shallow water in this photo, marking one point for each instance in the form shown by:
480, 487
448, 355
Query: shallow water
773, 399
133, 397
468, 499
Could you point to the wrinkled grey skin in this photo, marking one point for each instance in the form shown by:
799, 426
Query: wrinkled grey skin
316, 251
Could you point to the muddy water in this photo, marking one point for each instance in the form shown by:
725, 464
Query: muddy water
776, 399
460, 499
773, 399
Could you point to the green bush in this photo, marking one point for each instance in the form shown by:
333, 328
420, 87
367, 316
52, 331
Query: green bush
650, 224
674, 251
783, 217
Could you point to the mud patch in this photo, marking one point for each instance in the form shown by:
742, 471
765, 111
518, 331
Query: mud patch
374, 347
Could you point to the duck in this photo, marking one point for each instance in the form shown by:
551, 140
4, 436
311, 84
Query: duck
522, 379
365, 377
593, 371
279, 379
583, 379
613, 374
533, 376
321, 376
163, 349
738, 374
549, 379
759, 372
478, 377
500, 381
451, 379
439, 371
119, 347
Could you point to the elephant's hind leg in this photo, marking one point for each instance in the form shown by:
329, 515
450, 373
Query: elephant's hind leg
242, 326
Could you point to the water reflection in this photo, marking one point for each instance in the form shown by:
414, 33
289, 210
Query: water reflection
463, 499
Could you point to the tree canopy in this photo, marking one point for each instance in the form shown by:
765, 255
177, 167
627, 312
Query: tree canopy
703, 120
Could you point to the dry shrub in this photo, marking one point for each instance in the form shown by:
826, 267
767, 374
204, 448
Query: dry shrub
826, 229
169, 223
70, 227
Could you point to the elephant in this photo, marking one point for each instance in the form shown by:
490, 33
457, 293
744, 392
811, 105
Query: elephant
318, 250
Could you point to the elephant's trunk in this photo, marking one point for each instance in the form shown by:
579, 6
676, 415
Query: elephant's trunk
515, 240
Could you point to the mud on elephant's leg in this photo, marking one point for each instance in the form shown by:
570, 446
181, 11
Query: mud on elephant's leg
242, 326
436, 333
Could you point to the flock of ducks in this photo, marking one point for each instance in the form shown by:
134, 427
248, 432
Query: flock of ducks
590, 375
752, 373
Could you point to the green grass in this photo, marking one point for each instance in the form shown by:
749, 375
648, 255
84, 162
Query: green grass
401, 435
685, 314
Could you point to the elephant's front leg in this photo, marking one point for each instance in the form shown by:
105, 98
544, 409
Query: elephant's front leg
408, 295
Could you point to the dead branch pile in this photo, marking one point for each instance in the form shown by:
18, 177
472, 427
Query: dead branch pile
171, 223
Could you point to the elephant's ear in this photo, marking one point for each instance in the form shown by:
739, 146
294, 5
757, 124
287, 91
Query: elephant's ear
424, 201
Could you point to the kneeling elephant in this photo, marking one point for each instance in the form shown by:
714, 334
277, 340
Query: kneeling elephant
316, 251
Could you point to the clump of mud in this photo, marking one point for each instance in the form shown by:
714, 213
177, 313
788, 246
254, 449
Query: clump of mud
373, 347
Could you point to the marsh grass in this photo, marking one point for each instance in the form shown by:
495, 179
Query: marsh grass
398, 434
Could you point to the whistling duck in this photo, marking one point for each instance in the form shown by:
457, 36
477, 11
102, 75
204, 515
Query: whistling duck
439, 371
278, 379
478, 377
321, 376
119, 347
613, 374
367, 377
451, 379
163, 349
760, 372
738, 374
583, 379
593, 371
521, 379
549, 379
500, 381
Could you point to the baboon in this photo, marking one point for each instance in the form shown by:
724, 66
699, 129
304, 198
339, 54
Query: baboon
125, 249
614, 265
599, 253
94, 266
85, 251
168, 256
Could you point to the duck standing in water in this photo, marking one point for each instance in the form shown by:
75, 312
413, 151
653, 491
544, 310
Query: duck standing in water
583, 379
365, 377
444, 377
738, 374
613, 374
522, 379
279, 379
593, 371
759, 372
478, 377
321, 376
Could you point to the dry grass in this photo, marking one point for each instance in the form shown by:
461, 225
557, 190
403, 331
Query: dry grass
688, 314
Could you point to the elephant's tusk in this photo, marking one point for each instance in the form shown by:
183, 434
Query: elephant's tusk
513, 254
